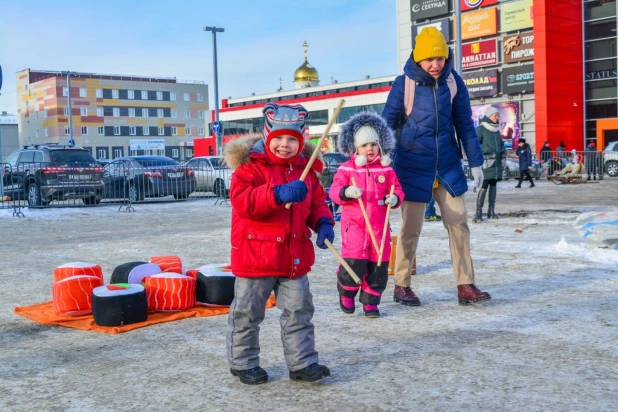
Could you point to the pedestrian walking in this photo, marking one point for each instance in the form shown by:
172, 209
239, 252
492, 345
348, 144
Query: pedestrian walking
525, 162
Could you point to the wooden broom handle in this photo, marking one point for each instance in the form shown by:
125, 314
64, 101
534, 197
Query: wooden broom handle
369, 229
388, 211
342, 261
314, 155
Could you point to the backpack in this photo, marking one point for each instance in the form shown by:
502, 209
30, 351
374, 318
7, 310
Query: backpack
408, 100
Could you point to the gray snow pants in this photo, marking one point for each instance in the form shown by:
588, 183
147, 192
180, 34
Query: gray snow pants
247, 311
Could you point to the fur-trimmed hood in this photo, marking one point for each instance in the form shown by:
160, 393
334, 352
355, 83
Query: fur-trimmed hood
238, 151
345, 140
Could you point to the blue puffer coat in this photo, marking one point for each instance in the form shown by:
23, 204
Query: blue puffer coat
426, 148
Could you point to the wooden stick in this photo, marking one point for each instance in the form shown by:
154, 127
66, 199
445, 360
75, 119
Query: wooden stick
369, 229
314, 155
342, 261
388, 211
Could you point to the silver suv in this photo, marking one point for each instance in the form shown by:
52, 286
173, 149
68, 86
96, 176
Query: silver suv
610, 159
211, 174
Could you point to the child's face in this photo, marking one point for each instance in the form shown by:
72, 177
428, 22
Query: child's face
284, 146
371, 150
433, 66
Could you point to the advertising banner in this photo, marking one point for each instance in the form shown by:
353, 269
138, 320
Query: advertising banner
138, 144
516, 15
518, 47
444, 25
482, 83
508, 123
475, 4
479, 23
424, 9
518, 79
479, 54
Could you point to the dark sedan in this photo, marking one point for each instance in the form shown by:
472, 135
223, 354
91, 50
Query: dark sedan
138, 177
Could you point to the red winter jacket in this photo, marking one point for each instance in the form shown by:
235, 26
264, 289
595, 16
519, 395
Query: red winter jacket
268, 239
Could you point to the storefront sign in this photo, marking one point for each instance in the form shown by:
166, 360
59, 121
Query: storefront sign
516, 15
475, 4
518, 79
138, 144
423, 9
601, 74
479, 54
443, 25
479, 23
518, 47
481, 83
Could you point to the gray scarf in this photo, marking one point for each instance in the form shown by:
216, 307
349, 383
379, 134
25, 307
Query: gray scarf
492, 127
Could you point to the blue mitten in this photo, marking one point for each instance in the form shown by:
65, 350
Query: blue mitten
325, 231
295, 191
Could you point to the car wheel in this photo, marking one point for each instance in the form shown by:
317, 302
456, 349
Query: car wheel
34, 196
611, 168
181, 196
91, 200
219, 188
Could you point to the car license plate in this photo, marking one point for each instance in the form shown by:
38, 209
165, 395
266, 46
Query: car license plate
79, 177
179, 174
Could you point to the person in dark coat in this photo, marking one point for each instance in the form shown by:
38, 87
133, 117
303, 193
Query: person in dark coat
592, 160
545, 155
427, 160
525, 162
495, 159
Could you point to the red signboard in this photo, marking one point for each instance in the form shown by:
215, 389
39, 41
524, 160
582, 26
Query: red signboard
479, 54
475, 4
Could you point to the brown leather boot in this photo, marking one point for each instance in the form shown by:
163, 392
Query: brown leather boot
405, 296
471, 294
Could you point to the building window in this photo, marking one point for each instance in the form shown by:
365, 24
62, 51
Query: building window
187, 114
84, 130
188, 153
132, 130
82, 92
116, 130
83, 111
101, 130
45, 93
100, 111
117, 153
175, 152
201, 131
131, 94
187, 97
159, 95
65, 91
46, 130
200, 97
174, 131
200, 114
173, 96
187, 131
159, 112
99, 93
45, 113
161, 131
144, 112
101, 154
67, 131
144, 95
173, 114
66, 110
131, 111
36, 133
146, 130
116, 112
115, 94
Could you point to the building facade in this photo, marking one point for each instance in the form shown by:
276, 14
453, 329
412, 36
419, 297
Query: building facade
9, 136
112, 115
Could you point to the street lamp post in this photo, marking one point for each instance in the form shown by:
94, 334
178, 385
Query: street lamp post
214, 31
71, 141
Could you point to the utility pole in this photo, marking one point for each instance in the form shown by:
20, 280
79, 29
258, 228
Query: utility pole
458, 36
71, 141
214, 31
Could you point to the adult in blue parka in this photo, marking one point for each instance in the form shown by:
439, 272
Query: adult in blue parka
427, 159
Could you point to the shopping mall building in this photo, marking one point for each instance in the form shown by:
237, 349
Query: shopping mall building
550, 65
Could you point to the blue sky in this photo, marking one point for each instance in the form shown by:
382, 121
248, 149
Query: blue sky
261, 43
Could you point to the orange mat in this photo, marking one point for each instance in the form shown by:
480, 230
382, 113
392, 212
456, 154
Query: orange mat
44, 313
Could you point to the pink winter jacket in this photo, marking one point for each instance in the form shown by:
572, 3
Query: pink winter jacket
375, 180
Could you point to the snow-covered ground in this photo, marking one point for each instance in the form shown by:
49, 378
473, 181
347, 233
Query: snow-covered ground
547, 340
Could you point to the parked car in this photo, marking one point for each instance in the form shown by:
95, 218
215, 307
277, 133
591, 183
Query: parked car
211, 174
610, 159
42, 173
138, 177
332, 161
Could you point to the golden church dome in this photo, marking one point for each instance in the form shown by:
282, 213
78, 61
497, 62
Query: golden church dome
306, 72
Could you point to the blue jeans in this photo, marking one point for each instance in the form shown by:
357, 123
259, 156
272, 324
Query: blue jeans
431, 208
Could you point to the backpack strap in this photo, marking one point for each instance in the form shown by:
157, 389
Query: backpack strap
410, 86
452, 86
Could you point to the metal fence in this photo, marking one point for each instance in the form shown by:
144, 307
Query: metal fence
125, 182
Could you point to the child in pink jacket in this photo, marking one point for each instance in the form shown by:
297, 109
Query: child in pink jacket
367, 138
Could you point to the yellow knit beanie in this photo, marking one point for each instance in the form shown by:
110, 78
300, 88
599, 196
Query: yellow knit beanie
429, 43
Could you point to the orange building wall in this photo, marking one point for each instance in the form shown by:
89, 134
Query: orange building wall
559, 73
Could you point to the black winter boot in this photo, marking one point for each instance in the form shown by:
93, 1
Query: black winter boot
480, 201
491, 214
311, 373
252, 376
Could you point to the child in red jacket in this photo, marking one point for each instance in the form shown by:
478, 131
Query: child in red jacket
271, 245
367, 139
